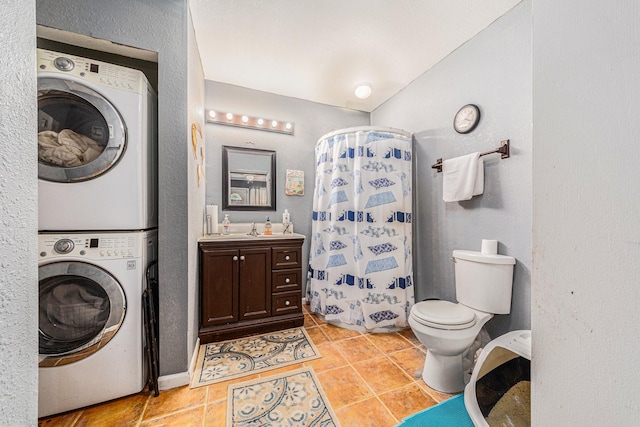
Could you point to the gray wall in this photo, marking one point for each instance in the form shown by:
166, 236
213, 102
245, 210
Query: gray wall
18, 216
492, 70
586, 227
161, 27
311, 121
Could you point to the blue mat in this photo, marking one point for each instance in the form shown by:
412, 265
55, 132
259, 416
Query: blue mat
450, 413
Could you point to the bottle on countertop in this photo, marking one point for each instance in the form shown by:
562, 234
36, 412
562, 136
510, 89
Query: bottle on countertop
286, 218
267, 228
226, 224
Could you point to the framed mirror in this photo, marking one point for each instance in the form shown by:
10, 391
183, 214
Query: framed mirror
248, 179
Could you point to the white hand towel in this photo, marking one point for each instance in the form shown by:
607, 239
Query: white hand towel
463, 177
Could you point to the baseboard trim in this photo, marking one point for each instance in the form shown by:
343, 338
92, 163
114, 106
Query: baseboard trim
167, 382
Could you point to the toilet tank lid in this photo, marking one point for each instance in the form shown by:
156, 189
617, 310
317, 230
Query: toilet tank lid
484, 258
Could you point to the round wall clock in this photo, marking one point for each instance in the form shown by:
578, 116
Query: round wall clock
466, 118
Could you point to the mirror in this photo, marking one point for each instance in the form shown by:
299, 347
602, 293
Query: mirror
249, 179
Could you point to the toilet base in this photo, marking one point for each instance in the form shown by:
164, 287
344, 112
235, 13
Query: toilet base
444, 373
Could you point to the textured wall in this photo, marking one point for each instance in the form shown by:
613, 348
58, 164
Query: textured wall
312, 120
196, 191
18, 216
586, 227
161, 27
492, 70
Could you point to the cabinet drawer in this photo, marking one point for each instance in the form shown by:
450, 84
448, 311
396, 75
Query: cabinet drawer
286, 257
286, 280
286, 302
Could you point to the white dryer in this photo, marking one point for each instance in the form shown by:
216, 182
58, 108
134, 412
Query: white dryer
97, 146
90, 317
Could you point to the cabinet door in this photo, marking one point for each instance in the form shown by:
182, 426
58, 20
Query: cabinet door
219, 286
255, 283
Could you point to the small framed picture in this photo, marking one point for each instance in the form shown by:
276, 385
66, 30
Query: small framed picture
294, 185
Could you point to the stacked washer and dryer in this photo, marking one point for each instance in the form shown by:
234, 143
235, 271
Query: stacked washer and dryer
97, 221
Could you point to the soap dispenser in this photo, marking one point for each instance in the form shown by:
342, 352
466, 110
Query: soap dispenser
226, 224
267, 227
286, 219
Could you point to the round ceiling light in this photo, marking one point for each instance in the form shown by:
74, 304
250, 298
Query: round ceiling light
363, 91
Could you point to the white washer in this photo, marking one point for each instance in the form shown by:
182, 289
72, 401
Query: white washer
97, 146
90, 317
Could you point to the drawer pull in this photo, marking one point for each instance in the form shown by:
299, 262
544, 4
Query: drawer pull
287, 303
241, 257
287, 258
235, 258
287, 280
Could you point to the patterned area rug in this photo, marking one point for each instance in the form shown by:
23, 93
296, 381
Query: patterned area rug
226, 360
293, 398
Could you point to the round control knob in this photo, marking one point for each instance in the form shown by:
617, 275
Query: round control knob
287, 280
287, 258
63, 64
63, 246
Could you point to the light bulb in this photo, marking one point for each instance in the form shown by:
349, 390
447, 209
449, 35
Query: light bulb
212, 114
274, 123
229, 116
363, 91
245, 119
288, 126
260, 122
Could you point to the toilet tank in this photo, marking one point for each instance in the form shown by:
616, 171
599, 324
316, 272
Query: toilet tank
484, 281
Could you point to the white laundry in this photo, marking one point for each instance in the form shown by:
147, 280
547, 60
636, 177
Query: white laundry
67, 148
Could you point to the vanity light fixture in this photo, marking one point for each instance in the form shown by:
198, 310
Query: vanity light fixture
244, 121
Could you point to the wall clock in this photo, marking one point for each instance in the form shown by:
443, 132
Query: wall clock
466, 118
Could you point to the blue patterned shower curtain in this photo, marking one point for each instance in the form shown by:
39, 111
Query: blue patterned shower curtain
360, 268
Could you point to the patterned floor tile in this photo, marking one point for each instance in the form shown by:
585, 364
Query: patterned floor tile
343, 386
358, 349
368, 413
382, 375
407, 400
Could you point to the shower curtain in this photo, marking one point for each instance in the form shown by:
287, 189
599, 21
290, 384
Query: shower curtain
360, 267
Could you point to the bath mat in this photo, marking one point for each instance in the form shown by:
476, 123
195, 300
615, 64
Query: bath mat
449, 413
226, 360
293, 398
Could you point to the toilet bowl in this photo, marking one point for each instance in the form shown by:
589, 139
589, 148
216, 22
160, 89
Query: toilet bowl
446, 342
448, 330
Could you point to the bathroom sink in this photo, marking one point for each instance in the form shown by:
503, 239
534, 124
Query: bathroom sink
245, 236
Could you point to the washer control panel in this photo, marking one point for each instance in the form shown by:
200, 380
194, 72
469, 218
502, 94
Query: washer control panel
90, 70
98, 246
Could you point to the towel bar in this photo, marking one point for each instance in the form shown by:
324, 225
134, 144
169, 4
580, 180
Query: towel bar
503, 150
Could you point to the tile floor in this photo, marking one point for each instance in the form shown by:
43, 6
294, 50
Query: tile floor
370, 379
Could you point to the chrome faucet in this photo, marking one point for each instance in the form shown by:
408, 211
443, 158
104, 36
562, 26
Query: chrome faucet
254, 230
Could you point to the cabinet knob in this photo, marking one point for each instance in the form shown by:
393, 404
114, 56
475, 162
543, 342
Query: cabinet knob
235, 258
287, 303
287, 257
287, 280
241, 257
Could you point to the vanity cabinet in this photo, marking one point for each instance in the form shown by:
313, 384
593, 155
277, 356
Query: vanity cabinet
249, 286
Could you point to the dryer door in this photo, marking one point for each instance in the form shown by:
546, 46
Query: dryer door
81, 135
81, 308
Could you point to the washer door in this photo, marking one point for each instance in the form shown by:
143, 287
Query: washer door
81, 309
81, 135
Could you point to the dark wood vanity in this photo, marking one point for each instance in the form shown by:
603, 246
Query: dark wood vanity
249, 286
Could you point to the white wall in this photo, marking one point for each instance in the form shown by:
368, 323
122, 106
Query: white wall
586, 219
492, 70
196, 186
18, 216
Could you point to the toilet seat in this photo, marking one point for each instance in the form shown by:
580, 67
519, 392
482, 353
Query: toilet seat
443, 315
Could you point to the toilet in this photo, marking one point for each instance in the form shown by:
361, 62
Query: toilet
483, 288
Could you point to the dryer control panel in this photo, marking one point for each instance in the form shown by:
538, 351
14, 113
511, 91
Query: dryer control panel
96, 72
90, 246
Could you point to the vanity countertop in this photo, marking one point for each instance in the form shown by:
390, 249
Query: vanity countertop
246, 237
